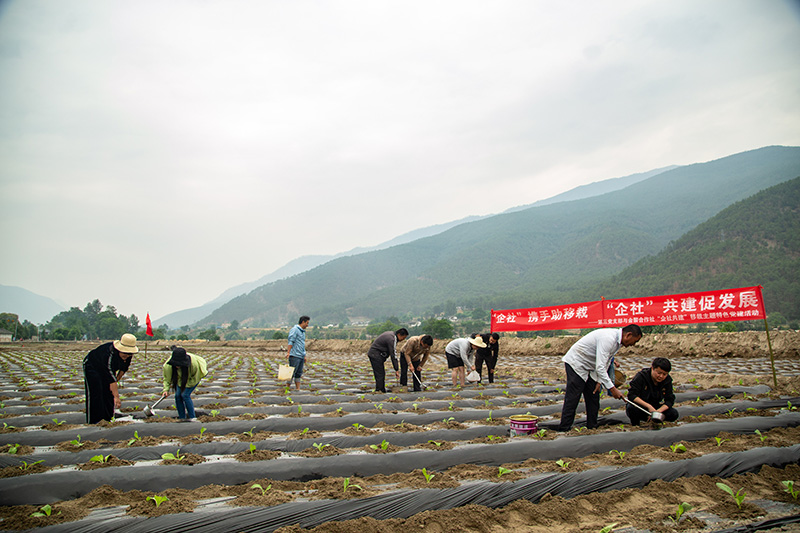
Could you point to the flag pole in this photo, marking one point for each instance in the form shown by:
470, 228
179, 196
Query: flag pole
769, 341
771, 356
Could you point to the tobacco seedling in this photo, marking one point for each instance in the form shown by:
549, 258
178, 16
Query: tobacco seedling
451, 406
619, 453
489, 418
76, 442
677, 448
682, 508
252, 448
435, 443
790, 407
383, 445
45, 510
347, 484
214, 412
428, 477
719, 440
202, 430
135, 438
299, 409
730, 412
100, 458
170, 457
493, 438
56, 422
738, 496
27, 466
158, 500
306, 430
249, 433
790, 488
259, 487
13, 448
541, 433
319, 446
563, 464
378, 406
501, 471
609, 528
448, 420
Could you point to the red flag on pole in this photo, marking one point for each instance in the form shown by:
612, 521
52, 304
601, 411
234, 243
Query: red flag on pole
149, 325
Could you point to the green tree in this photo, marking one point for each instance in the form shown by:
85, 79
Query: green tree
210, 334
438, 328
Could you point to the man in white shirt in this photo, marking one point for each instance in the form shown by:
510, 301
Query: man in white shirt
587, 363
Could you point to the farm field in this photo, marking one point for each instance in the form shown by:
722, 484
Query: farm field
335, 456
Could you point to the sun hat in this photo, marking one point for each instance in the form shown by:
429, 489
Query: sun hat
179, 358
619, 378
127, 344
477, 341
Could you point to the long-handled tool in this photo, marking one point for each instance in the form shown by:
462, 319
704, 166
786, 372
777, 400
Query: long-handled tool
655, 415
421, 384
148, 409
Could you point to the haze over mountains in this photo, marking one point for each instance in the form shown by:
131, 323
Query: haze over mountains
609, 238
521, 258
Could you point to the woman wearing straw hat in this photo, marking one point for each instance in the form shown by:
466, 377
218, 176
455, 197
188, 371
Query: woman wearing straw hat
460, 354
103, 367
182, 373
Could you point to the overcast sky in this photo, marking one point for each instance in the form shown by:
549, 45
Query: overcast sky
156, 153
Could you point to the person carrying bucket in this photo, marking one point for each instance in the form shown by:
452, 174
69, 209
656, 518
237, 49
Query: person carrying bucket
182, 373
296, 349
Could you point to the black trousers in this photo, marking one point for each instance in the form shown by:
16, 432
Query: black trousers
99, 401
491, 362
577, 387
637, 416
379, 371
404, 373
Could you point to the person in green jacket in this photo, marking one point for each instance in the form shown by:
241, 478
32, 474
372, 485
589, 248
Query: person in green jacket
182, 373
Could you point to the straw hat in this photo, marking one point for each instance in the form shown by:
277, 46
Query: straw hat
619, 378
478, 342
127, 344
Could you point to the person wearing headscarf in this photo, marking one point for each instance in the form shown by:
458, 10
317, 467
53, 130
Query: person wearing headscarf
182, 373
103, 367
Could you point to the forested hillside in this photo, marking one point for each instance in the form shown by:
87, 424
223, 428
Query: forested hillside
530, 257
755, 241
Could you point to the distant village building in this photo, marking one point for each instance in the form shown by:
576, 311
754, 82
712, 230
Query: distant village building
6, 336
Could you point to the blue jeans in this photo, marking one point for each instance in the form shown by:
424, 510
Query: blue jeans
183, 402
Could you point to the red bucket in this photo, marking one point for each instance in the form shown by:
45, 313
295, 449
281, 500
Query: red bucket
522, 424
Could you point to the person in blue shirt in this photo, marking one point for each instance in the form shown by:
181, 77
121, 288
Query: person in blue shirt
296, 351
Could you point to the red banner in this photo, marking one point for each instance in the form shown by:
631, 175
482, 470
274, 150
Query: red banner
690, 308
149, 324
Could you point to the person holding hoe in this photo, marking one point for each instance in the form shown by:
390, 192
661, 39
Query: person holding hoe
414, 355
587, 363
103, 367
182, 373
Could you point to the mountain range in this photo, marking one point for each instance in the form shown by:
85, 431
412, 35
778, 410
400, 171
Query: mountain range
672, 229
523, 258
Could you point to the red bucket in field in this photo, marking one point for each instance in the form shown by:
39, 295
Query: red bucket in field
523, 424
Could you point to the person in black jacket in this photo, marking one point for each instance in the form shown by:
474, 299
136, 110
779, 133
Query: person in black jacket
487, 355
103, 367
651, 388
383, 348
